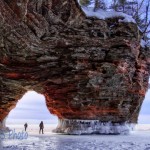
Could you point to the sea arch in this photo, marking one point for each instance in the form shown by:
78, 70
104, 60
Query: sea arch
87, 68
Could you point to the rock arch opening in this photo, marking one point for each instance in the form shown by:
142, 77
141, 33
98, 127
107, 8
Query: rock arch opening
31, 109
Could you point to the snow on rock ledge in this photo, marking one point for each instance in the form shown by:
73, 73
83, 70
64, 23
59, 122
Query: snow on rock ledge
102, 14
79, 127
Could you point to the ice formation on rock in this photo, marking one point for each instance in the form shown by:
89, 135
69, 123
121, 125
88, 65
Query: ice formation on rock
92, 127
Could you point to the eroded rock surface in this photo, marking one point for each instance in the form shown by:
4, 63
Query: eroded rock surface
87, 68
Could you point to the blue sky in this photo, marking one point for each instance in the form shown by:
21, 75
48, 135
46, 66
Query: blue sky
32, 109
144, 116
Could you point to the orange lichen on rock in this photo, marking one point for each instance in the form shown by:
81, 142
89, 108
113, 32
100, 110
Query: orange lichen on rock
12, 75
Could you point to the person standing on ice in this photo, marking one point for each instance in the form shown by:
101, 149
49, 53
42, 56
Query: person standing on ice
41, 125
25, 126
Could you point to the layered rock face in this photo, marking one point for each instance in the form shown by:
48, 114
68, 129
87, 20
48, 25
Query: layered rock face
86, 68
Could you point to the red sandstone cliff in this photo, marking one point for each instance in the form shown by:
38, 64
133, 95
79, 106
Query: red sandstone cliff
86, 68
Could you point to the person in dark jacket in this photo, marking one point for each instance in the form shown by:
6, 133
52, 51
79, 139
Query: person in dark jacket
41, 125
25, 126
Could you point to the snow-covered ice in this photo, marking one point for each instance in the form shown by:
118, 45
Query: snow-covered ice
137, 140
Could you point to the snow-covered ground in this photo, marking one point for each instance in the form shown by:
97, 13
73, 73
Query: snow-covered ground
137, 140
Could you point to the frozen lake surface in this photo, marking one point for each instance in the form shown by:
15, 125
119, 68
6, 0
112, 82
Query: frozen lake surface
137, 140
